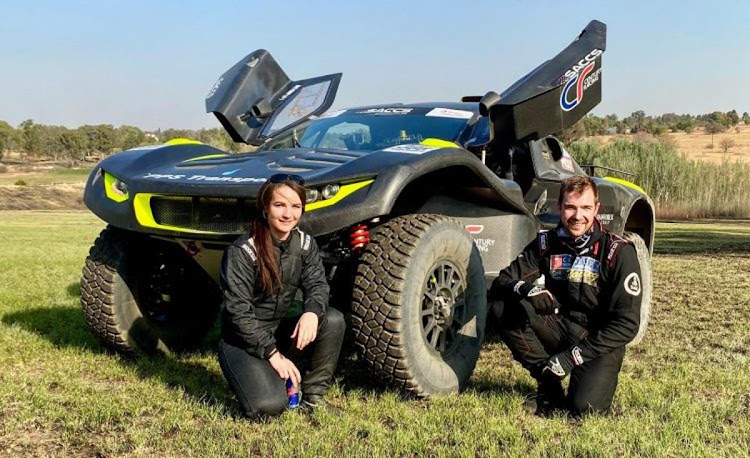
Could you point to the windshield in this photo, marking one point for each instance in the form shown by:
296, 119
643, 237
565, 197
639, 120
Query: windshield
375, 128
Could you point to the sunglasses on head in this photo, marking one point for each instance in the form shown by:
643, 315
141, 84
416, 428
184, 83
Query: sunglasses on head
284, 177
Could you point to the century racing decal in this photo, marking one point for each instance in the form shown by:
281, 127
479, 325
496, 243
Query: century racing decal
579, 78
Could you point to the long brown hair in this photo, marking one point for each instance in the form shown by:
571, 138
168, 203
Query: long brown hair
268, 263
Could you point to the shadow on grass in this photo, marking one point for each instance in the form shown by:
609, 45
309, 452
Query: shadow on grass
697, 238
65, 327
74, 289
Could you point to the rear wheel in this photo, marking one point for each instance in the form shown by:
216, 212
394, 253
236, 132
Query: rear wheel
419, 304
644, 260
143, 295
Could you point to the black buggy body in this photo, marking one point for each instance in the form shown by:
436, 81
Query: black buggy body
415, 207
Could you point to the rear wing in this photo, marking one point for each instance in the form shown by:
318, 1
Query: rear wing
554, 95
255, 100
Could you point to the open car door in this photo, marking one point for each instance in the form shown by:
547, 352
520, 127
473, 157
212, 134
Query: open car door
255, 100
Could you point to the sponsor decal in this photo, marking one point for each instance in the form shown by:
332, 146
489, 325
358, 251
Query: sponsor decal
249, 248
222, 179
566, 161
556, 368
215, 88
332, 114
474, 228
633, 284
580, 77
386, 111
613, 250
289, 92
306, 242
584, 270
230, 172
411, 149
606, 218
581, 64
448, 113
517, 286
484, 244
577, 358
559, 265
546, 155
543, 243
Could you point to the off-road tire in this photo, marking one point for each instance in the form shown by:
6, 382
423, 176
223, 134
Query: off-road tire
113, 296
644, 259
389, 297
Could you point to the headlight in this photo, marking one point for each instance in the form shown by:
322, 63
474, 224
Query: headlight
330, 190
312, 195
115, 188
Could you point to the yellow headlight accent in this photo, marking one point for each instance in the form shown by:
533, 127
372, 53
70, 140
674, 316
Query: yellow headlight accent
142, 209
625, 183
343, 192
109, 188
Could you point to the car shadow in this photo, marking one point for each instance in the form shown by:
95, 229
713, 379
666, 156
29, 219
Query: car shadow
65, 327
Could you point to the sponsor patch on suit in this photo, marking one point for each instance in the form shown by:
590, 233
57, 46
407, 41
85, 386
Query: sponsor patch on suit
584, 270
559, 265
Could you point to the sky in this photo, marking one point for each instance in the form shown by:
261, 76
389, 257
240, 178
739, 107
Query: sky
150, 64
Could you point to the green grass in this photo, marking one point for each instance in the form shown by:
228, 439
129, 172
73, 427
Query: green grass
47, 177
684, 391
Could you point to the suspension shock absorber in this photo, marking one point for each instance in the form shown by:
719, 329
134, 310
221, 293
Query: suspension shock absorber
359, 237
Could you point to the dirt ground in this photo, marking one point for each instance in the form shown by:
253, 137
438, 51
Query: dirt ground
699, 146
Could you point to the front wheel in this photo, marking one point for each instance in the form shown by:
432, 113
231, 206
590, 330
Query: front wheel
419, 304
141, 295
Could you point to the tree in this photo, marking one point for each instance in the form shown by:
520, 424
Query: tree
74, 144
746, 117
726, 144
733, 118
8, 137
712, 128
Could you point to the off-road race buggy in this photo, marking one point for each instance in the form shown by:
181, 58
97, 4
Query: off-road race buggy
416, 208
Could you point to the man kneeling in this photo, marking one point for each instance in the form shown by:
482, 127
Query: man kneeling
579, 320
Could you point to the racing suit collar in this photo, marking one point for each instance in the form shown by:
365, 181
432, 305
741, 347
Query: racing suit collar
583, 244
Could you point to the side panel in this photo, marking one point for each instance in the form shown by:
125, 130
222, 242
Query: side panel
499, 236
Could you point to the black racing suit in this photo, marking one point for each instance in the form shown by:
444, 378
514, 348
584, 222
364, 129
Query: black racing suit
596, 280
254, 323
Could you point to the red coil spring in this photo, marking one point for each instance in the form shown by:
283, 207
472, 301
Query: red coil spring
359, 237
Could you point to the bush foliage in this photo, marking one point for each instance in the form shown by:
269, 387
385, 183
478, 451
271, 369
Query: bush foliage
678, 186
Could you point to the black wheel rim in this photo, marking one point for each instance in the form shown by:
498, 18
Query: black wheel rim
443, 311
160, 291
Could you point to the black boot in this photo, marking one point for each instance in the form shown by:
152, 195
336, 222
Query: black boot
549, 397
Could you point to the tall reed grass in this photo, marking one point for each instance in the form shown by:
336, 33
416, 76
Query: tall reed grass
679, 187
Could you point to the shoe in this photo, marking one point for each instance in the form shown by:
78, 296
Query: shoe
314, 402
549, 397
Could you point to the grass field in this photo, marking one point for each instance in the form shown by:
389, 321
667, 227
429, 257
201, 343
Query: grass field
684, 391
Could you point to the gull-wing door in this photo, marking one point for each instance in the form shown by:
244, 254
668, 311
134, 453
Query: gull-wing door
255, 100
554, 95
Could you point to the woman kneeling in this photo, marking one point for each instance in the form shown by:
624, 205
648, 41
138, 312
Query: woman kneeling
260, 275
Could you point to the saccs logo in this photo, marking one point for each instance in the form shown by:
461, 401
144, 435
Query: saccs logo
577, 82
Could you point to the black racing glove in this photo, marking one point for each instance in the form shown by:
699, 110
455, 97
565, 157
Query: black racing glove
542, 300
561, 364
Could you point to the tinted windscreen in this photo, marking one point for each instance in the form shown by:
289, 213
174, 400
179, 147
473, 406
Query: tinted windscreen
379, 128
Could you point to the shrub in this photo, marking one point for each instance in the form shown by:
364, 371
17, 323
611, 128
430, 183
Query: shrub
20, 183
674, 183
